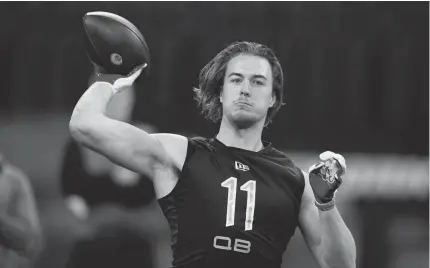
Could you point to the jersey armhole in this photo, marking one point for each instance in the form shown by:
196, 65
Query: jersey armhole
191, 148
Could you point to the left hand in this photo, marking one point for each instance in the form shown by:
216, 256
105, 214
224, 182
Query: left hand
326, 176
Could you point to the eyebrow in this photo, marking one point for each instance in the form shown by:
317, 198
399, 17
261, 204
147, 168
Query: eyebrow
254, 76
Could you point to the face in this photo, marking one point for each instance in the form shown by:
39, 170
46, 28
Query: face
247, 92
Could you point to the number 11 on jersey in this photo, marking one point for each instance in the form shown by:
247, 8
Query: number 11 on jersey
250, 188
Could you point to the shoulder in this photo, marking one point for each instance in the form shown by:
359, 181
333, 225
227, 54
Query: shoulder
179, 147
201, 142
277, 154
283, 159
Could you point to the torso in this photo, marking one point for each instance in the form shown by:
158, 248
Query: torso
231, 207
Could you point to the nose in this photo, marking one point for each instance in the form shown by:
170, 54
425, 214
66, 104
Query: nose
244, 90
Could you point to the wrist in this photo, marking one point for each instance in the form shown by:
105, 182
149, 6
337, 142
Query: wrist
105, 85
326, 205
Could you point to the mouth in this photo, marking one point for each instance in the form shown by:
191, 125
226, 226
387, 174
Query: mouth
243, 103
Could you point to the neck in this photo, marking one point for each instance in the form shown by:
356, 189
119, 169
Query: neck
246, 138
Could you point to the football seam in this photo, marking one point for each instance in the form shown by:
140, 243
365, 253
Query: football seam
91, 41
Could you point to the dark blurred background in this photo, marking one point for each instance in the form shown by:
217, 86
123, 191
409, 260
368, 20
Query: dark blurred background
357, 82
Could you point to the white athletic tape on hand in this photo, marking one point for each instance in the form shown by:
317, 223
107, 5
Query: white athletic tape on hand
124, 82
328, 154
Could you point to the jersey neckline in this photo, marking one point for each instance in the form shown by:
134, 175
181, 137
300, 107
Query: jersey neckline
267, 146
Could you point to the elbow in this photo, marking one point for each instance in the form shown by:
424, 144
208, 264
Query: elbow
76, 129
79, 128
86, 130
75, 124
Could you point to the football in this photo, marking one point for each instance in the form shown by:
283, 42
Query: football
114, 44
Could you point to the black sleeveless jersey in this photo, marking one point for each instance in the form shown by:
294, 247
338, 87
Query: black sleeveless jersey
232, 207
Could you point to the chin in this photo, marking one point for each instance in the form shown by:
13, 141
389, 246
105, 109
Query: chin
244, 120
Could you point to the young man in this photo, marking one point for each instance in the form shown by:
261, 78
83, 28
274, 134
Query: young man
232, 200
20, 232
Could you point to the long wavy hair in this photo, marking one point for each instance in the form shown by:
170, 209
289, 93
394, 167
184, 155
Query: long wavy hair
211, 79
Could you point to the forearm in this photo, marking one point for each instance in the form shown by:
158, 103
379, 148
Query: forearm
338, 245
17, 235
89, 113
93, 102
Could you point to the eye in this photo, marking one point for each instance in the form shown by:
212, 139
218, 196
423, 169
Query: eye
236, 80
258, 82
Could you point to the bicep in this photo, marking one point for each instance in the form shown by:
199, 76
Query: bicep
175, 146
309, 222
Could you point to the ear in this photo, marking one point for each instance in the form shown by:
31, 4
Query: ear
220, 94
273, 100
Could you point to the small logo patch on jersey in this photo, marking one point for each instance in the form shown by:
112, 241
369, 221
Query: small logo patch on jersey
240, 166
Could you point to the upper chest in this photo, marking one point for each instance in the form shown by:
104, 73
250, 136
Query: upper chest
215, 177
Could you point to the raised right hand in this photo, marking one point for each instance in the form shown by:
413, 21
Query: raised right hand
119, 82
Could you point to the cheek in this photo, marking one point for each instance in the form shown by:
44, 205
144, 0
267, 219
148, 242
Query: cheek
228, 94
265, 98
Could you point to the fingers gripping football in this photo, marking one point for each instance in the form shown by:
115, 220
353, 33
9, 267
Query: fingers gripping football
118, 82
326, 177
127, 81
